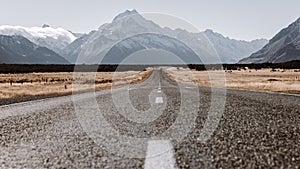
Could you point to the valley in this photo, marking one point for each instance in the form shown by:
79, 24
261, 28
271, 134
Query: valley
191, 85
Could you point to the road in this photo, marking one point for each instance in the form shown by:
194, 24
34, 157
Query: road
256, 130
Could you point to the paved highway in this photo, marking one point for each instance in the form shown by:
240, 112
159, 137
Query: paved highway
256, 130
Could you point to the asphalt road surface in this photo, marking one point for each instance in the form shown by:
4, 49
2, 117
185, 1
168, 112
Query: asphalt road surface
256, 130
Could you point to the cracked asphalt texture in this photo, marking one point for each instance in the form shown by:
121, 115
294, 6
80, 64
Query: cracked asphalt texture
257, 130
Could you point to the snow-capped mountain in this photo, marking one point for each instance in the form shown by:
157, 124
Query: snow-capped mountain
131, 23
284, 47
148, 41
19, 50
55, 39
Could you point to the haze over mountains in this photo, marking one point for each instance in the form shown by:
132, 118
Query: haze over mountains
65, 46
231, 50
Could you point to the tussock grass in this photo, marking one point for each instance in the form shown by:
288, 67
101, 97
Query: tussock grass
41, 84
276, 80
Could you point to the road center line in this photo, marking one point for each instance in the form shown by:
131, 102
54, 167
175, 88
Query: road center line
160, 155
159, 85
190, 87
159, 100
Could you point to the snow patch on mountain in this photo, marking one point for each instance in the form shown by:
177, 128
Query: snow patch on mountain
53, 38
130, 23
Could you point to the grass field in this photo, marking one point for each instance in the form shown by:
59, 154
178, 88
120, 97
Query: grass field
276, 80
41, 84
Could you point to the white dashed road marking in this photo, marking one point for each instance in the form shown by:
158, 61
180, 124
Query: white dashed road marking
189, 87
159, 100
160, 155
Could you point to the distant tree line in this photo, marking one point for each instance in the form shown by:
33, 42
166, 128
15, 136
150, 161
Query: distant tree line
26, 68
286, 65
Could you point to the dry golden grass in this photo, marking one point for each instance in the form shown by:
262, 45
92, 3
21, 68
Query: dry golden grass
278, 80
41, 84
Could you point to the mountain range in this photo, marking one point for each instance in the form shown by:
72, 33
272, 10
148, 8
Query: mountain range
47, 45
283, 47
19, 50
130, 23
55, 39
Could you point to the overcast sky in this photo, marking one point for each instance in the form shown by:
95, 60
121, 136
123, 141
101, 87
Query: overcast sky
239, 19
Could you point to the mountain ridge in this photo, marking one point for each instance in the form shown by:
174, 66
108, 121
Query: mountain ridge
71, 45
19, 50
228, 48
283, 47
55, 39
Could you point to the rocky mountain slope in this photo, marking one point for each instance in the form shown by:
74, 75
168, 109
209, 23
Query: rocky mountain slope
231, 50
283, 47
19, 50
55, 39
